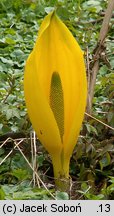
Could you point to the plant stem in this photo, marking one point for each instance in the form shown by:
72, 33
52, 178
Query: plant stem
61, 174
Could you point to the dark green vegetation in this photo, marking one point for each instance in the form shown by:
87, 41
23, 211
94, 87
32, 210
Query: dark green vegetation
92, 163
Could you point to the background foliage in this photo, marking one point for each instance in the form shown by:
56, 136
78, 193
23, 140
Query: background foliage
92, 163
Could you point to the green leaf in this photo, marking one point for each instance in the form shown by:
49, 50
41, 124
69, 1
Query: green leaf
62, 196
105, 161
112, 63
63, 13
1, 126
95, 197
2, 194
10, 41
6, 61
49, 9
91, 129
2, 151
84, 187
40, 159
20, 174
9, 114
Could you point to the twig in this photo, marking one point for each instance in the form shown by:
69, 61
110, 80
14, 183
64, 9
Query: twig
106, 125
33, 151
97, 52
34, 171
13, 135
85, 192
88, 76
10, 151
17, 146
106, 20
8, 139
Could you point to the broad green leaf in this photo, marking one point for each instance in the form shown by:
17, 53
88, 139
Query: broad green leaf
62, 196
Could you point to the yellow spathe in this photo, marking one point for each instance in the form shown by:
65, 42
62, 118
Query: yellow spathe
55, 91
